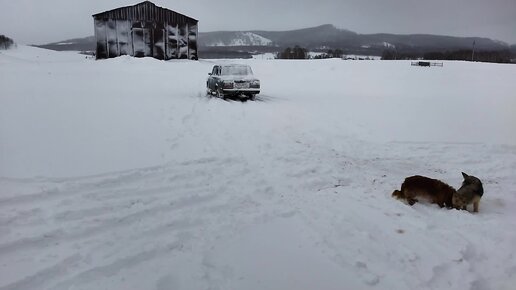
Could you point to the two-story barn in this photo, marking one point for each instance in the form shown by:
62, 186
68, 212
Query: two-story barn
145, 30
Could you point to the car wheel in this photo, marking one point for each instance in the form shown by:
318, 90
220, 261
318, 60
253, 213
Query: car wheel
252, 97
220, 94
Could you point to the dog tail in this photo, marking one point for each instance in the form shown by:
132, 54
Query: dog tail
398, 194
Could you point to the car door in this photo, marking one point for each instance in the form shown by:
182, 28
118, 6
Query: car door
212, 80
209, 83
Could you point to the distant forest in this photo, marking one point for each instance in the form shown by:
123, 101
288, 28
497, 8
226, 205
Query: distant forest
499, 56
293, 53
496, 56
5, 42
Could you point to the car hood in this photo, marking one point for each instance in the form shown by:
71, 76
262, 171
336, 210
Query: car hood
238, 78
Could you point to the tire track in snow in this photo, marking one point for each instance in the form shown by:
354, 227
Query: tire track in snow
54, 188
107, 225
198, 202
111, 269
43, 277
190, 178
77, 186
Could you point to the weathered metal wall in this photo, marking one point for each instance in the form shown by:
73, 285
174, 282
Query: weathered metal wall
145, 30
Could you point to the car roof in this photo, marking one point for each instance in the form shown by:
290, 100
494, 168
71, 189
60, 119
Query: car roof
233, 64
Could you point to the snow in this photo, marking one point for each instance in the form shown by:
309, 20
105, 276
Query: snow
256, 39
122, 174
389, 45
361, 57
267, 55
244, 39
313, 54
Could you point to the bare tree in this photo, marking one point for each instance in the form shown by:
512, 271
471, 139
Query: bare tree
5, 42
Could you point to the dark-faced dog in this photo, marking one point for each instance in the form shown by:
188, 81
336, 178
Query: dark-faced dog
470, 192
433, 190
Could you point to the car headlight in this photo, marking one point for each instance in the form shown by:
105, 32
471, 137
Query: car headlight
255, 83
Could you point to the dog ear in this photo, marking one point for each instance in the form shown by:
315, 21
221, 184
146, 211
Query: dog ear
464, 175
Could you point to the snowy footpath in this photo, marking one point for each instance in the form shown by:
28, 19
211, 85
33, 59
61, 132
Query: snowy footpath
123, 174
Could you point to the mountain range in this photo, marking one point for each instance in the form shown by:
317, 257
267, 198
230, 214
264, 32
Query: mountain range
320, 38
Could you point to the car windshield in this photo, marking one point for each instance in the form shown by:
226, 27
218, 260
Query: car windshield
236, 70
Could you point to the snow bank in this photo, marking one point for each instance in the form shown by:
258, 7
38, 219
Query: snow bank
122, 174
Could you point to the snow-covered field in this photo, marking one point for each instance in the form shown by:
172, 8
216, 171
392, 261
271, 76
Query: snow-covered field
122, 174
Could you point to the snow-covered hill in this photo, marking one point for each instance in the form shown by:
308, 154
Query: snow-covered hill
122, 174
238, 39
323, 36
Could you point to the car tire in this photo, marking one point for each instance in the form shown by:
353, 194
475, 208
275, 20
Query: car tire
220, 94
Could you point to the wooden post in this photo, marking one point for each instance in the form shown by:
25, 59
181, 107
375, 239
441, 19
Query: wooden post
473, 52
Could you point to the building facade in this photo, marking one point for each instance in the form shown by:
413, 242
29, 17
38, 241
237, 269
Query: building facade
145, 30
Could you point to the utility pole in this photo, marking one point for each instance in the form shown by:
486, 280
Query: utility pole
473, 52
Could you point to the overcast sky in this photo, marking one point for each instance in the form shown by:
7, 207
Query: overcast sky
44, 21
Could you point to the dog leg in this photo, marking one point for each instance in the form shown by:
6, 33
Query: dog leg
475, 205
411, 201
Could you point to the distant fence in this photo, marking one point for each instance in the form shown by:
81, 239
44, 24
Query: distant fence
426, 63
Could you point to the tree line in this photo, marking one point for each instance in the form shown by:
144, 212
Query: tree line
337, 53
497, 56
293, 53
302, 53
501, 56
5, 42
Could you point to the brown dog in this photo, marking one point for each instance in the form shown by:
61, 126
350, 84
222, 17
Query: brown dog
433, 190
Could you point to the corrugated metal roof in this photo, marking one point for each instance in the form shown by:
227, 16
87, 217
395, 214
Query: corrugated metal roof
145, 11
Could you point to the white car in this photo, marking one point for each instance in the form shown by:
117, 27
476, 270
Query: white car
233, 80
